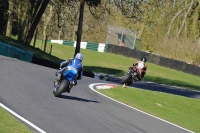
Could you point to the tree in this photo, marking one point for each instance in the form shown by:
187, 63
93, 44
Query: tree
47, 20
3, 15
10, 18
153, 20
36, 20
185, 16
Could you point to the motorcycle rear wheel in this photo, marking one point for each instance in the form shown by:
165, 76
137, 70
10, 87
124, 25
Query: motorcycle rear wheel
125, 78
63, 86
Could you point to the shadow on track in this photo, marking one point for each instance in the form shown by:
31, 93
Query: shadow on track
172, 82
77, 99
168, 89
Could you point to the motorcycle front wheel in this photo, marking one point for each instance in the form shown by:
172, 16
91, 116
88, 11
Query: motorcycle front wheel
126, 78
61, 88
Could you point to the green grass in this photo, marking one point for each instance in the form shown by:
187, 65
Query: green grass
179, 110
9, 124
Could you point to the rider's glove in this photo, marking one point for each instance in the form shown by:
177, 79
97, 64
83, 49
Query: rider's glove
135, 64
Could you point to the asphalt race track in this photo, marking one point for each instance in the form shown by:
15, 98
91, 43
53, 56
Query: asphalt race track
26, 89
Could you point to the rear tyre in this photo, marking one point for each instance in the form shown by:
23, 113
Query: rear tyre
125, 78
61, 88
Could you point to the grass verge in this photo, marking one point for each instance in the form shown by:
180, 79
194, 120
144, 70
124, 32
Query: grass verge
179, 110
9, 124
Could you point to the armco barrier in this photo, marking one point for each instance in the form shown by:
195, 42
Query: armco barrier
92, 46
99, 47
14, 52
156, 59
70, 43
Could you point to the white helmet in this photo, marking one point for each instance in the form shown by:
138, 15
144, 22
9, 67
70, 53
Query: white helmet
79, 56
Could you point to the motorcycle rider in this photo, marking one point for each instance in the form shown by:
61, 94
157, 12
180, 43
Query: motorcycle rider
76, 63
141, 67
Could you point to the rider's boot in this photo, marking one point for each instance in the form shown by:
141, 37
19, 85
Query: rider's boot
124, 85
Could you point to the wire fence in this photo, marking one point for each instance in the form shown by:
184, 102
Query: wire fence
121, 37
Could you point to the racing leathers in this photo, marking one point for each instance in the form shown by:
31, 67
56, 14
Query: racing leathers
141, 66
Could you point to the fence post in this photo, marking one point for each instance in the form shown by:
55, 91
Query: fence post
134, 39
35, 37
45, 44
50, 50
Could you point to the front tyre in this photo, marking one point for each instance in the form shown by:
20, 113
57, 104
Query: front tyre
61, 88
126, 78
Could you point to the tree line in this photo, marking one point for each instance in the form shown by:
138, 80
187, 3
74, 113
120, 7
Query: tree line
170, 28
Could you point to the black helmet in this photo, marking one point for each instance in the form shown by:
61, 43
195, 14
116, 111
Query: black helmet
143, 59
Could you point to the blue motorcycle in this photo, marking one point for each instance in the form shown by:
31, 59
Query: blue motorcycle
65, 81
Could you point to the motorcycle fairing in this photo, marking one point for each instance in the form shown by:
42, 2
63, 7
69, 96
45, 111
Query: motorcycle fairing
70, 73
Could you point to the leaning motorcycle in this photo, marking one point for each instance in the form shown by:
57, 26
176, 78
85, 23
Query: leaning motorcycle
130, 77
65, 82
